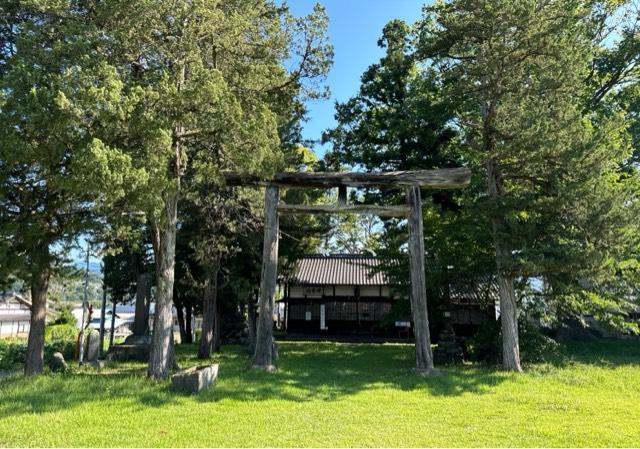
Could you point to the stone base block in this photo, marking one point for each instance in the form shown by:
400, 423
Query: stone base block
123, 353
195, 379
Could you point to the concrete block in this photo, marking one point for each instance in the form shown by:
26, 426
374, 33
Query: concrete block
195, 379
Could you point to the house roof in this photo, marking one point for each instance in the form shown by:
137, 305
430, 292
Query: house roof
480, 290
7, 296
339, 269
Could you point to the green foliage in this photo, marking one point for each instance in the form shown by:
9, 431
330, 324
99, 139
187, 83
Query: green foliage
57, 332
43, 206
13, 352
535, 347
562, 204
65, 316
124, 261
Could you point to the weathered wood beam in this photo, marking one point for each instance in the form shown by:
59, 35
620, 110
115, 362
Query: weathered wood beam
342, 196
443, 178
424, 357
264, 352
361, 209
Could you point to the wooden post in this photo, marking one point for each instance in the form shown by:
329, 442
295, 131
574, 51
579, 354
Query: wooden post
265, 346
424, 358
342, 196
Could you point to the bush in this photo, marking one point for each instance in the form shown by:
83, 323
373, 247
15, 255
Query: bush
58, 338
61, 332
13, 353
486, 344
535, 347
65, 316
66, 347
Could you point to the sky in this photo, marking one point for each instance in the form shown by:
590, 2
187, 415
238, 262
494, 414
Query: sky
354, 29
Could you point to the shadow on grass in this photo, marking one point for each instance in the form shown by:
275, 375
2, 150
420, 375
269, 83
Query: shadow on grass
603, 352
329, 371
306, 372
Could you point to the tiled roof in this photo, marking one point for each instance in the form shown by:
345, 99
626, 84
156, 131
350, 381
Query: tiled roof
339, 269
7, 296
481, 290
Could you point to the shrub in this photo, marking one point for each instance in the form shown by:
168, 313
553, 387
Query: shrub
536, 347
66, 347
58, 338
486, 344
65, 316
13, 353
60, 332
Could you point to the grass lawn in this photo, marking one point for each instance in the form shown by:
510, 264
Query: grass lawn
328, 394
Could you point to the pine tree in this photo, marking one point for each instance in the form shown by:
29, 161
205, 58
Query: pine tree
521, 69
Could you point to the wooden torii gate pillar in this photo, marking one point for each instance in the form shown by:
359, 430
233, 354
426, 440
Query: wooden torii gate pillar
411, 181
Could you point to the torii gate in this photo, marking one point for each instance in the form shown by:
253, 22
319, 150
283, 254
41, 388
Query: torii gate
411, 181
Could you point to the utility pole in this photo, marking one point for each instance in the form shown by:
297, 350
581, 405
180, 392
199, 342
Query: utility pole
84, 303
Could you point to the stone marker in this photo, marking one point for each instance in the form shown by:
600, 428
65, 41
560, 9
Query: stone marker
137, 340
92, 349
123, 353
135, 347
195, 379
57, 363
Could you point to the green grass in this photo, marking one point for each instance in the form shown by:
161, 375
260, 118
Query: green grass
336, 395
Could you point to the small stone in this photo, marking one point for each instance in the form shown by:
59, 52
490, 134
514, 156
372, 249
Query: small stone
195, 379
57, 363
98, 364
427, 372
268, 368
137, 340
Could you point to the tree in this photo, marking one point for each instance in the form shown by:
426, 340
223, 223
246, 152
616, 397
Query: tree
204, 84
519, 70
400, 119
42, 208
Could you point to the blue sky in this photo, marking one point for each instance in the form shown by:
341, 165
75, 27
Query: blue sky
354, 29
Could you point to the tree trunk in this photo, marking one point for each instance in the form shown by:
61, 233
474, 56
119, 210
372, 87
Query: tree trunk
113, 324
209, 300
265, 346
188, 324
35, 346
424, 357
147, 314
508, 304
164, 243
103, 315
251, 322
143, 293
509, 321
217, 327
181, 324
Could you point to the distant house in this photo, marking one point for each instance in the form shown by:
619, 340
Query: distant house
124, 318
15, 315
337, 294
344, 294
